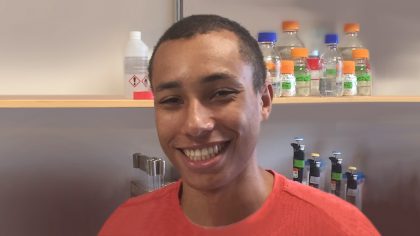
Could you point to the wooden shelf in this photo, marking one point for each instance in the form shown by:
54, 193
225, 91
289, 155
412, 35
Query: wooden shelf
71, 102
119, 102
355, 99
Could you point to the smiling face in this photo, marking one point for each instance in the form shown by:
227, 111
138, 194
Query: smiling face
207, 111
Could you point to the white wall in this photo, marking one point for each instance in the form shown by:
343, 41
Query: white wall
73, 47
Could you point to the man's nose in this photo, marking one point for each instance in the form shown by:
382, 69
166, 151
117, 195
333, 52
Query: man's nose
199, 121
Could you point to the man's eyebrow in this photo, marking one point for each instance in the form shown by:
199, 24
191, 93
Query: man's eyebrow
215, 77
168, 85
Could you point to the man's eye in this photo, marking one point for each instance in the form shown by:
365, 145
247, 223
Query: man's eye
171, 101
223, 93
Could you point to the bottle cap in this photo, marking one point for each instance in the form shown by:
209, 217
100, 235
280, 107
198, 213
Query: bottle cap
351, 27
352, 168
135, 35
299, 52
360, 53
314, 53
267, 37
331, 38
314, 154
348, 68
143, 95
287, 67
314, 63
290, 25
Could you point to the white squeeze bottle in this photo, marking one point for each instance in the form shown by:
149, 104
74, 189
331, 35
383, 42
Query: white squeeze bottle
136, 80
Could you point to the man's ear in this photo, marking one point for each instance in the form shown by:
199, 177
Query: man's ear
266, 100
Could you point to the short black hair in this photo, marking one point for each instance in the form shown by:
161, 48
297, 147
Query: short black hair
202, 24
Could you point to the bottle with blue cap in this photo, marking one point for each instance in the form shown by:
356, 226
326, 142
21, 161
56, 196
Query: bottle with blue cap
267, 40
331, 81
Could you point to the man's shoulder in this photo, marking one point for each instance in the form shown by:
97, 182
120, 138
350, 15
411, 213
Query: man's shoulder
136, 213
327, 207
152, 199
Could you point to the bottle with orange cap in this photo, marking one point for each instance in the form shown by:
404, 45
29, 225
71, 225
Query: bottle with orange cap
301, 70
289, 39
363, 74
349, 79
350, 40
288, 80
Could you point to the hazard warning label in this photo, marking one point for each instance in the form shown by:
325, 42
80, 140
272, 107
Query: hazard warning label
135, 81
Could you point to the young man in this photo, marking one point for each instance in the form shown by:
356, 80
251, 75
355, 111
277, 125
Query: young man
208, 79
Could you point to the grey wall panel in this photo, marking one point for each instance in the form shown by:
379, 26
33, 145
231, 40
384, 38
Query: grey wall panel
63, 171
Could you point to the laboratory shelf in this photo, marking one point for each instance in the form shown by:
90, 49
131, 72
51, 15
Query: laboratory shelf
119, 102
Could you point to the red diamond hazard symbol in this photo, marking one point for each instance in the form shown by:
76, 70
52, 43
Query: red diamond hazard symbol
136, 81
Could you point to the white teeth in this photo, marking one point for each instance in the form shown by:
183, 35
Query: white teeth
203, 153
216, 149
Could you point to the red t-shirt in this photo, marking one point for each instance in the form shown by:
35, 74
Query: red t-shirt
290, 209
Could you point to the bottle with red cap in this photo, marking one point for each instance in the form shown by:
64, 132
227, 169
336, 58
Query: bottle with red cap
314, 64
350, 40
289, 39
303, 78
288, 80
363, 73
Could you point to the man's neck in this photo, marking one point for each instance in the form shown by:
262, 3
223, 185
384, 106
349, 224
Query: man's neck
231, 203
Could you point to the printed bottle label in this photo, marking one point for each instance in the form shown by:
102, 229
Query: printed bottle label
348, 85
331, 72
336, 176
362, 73
352, 192
333, 185
286, 85
299, 163
295, 173
314, 180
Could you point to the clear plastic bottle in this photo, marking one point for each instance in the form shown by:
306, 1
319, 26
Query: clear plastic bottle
363, 73
331, 82
314, 63
302, 75
289, 39
272, 61
350, 40
136, 80
288, 80
349, 79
